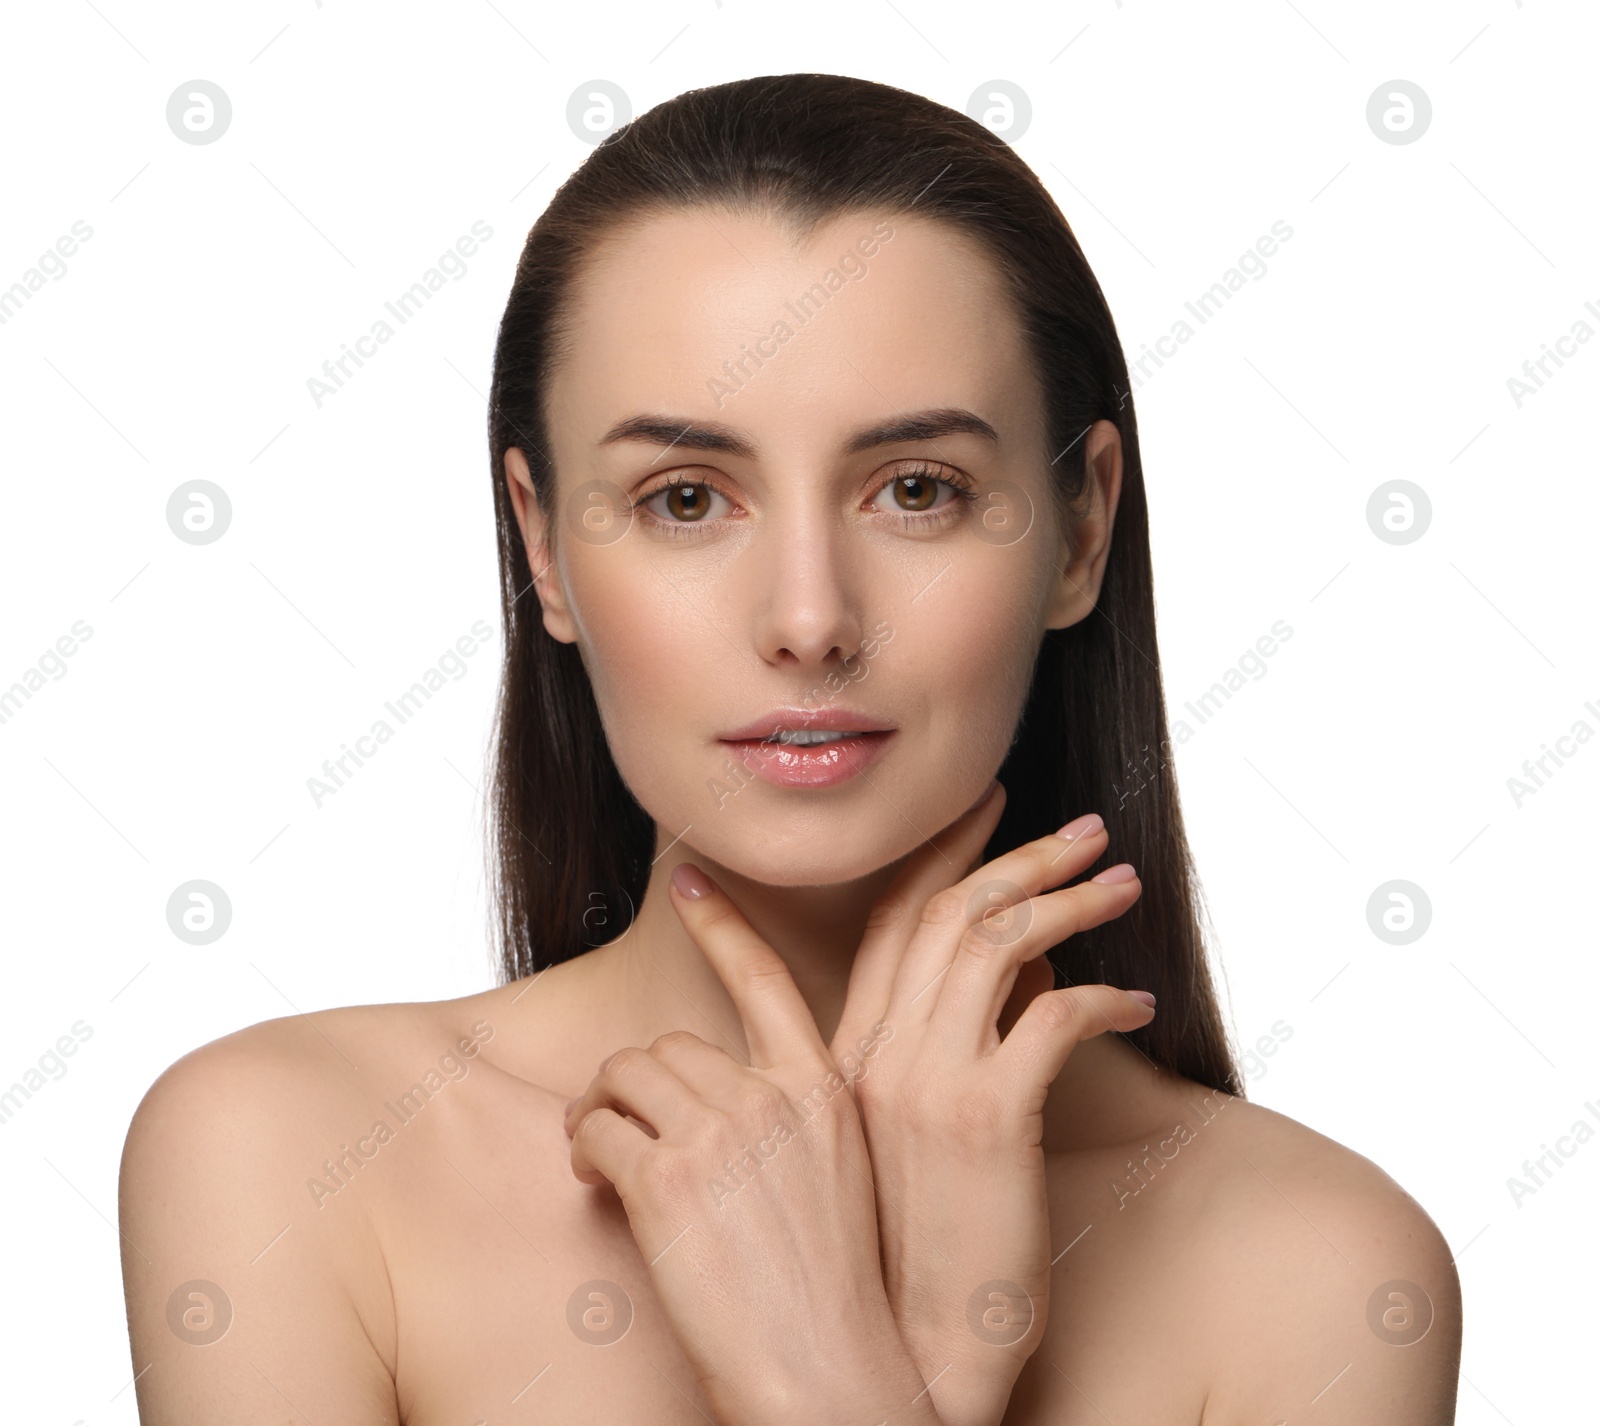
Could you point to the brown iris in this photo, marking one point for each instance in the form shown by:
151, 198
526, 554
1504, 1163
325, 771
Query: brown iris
920, 490
687, 501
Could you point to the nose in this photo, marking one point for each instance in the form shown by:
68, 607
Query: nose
807, 617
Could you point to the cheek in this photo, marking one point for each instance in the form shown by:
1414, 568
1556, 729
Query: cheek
974, 650
654, 660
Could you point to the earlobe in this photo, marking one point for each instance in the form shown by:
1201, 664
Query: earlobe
558, 621
1085, 549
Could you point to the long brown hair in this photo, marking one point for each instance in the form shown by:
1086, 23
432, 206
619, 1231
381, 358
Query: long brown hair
569, 847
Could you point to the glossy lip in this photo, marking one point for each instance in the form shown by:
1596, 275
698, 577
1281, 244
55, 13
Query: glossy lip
786, 765
826, 765
828, 720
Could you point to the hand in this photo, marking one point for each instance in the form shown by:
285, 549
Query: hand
954, 1114
749, 1192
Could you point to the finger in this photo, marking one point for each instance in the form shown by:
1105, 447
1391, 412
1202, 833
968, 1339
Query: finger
709, 1070
939, 863
606, 1148
1044, 1036
989, 955
985, 896
778, 1024
634, 1082
1034, 977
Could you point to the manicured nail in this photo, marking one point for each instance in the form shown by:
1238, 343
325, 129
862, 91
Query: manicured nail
1081, 827
1113, 875
1145, 996
691, 881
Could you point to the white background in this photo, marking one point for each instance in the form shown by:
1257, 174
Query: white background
366, 139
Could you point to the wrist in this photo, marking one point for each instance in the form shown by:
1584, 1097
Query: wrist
872, 1380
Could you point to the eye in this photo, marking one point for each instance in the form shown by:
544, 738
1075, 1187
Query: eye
680, 503
914, 494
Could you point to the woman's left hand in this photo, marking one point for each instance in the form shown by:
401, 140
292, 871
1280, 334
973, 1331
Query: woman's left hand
753, 1201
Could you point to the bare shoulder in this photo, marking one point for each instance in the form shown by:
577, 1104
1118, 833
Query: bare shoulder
1335, 1293
222, 1244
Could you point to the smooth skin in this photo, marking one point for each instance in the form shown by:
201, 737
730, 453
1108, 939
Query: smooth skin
1209, 1261
954, 1114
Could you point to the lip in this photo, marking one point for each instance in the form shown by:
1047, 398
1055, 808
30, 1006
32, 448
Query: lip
828, 720
825, 765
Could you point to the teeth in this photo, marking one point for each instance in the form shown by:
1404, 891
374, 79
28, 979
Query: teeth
803, 737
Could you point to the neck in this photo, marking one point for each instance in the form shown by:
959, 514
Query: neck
656, 979
666, 982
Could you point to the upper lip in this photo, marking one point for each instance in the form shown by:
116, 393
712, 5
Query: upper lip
842, 720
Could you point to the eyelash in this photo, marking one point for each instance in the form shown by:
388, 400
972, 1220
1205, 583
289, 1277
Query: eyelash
910, 520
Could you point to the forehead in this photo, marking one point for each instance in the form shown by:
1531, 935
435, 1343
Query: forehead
729, 316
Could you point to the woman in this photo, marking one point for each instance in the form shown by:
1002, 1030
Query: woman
828, 601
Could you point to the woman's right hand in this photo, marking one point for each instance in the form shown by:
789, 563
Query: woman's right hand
953, 1114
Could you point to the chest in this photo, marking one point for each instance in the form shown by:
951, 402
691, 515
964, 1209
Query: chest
520, 1295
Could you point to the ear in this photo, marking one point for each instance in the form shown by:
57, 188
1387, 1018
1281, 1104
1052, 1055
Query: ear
558, 621
1086, 547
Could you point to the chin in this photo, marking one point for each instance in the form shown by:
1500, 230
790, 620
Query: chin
788, 837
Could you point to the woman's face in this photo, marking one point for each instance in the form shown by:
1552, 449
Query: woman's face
841, 520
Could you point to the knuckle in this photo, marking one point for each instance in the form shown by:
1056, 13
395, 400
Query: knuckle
945, 909
1062, 1009
990, 940
674, 1040
760, 1103
623, 1061
674, 1176
887, 914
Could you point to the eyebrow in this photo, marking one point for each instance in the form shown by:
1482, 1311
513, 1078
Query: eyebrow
713, 436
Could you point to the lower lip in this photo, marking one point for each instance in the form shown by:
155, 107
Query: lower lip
821, 765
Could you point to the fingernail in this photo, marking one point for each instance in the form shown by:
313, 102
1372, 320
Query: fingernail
1081, 826
691, 881
1113, 875
1145, 996
568, 1110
